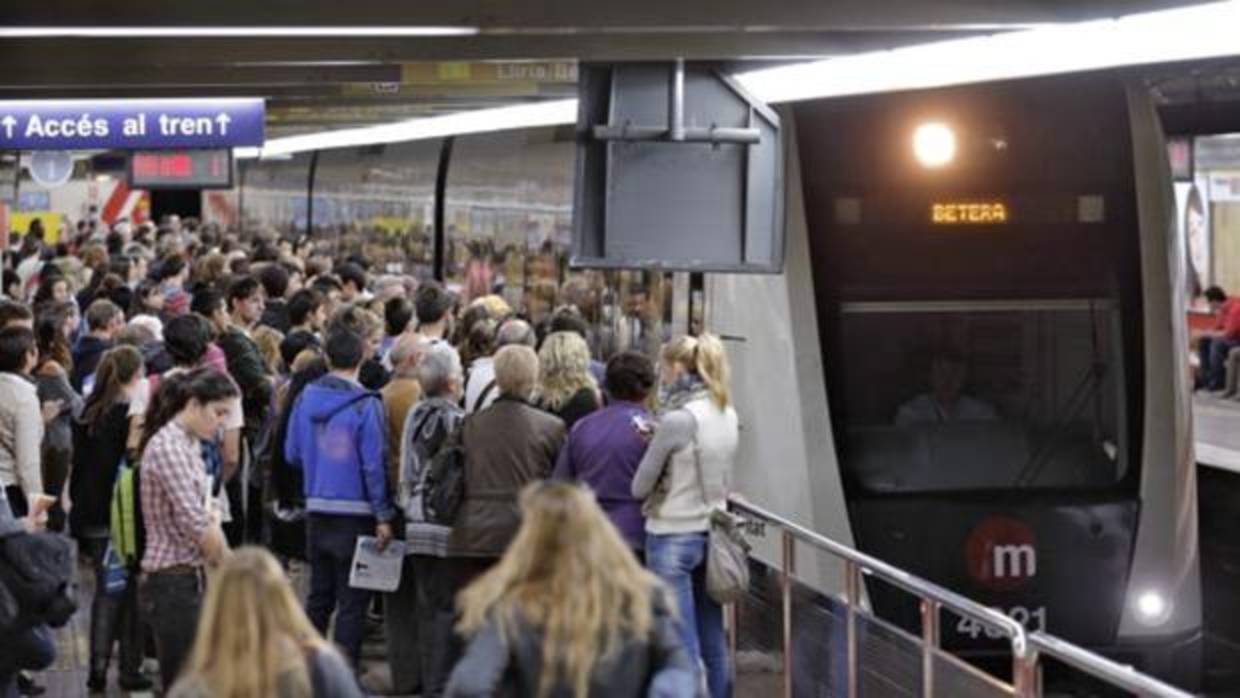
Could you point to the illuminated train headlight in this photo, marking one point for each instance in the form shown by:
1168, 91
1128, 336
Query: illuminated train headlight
1152, 607
934, 144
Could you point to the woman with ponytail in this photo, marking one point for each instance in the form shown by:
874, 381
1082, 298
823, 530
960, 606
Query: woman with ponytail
183, 535
99, 436
684, 476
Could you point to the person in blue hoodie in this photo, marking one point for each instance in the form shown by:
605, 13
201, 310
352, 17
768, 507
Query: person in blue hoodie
337, 437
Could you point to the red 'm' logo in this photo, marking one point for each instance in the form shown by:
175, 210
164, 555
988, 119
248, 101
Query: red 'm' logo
1001, 553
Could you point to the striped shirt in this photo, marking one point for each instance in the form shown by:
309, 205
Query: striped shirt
175, 489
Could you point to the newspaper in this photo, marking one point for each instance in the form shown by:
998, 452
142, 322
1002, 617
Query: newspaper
376, 570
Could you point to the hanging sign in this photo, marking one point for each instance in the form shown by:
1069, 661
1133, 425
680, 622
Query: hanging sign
88, 124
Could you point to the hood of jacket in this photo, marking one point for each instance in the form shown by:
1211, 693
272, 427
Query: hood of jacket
329, 395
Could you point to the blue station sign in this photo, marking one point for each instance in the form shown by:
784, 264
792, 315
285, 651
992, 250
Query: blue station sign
88, 124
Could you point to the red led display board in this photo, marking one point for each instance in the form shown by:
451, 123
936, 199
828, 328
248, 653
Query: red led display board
181, 169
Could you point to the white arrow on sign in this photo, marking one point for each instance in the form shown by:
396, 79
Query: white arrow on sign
9, 122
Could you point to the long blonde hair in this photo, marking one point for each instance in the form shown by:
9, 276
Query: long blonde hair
704, 356
570, 573
253, 638
564, 361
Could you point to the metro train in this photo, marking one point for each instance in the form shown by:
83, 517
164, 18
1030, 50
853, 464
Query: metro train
982, 311
971, 366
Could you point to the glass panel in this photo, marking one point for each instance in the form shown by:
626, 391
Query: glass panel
819, 644
758, 620
1019, 395
273, 195
955, 678
759, 657
379, 202
890, 659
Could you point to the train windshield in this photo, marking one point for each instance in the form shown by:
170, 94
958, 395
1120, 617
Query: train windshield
949, 396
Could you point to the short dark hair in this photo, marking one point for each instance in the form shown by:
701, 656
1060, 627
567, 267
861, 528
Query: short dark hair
186, 338
206, 301
169, 267
567, 319
16, 343
630, 376
12, 310
344, 347
397, 313
294, 344
1215, 294
274, 278
325, 283
352, 273
101, 313
240, 289
432, 302
303, 304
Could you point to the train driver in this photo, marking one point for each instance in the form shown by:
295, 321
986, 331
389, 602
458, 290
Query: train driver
946, 401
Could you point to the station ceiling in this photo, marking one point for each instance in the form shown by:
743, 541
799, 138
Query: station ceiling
493, 52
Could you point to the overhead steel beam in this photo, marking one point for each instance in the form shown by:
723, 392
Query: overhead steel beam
62, 60
540, 15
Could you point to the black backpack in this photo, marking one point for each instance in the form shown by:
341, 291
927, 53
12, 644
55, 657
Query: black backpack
444, 486
37, 574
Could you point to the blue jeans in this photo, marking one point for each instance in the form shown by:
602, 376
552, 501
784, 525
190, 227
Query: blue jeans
680, 561
31, 648
1212, 351
330, 543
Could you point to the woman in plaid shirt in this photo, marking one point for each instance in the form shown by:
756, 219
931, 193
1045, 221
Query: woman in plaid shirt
183, 533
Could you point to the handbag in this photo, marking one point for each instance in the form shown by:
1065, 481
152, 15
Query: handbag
727, 551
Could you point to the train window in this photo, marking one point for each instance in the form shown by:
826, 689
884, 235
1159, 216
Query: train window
378, 202
981, 395
508, 217
273, 197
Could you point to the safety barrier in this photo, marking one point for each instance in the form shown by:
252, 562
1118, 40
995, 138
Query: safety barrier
879, 658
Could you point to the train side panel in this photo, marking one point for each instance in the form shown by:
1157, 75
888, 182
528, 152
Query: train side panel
787, 461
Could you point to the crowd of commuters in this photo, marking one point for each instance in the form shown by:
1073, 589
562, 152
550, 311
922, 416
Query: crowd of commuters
266, 407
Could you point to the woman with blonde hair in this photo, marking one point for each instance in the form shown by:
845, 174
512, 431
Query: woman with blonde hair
568, 611
566, 388
684, 477
254, 641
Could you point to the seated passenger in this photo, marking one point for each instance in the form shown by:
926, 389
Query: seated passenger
945, 402
1214, 345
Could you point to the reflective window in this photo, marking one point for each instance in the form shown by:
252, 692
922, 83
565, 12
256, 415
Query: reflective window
980, 395
379, 202
273, 197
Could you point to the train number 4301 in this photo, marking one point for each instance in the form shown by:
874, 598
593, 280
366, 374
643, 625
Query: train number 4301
1033, 619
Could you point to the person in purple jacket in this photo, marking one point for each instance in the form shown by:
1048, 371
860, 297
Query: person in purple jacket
605, 447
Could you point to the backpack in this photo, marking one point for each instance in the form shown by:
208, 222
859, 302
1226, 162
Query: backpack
444, 484
37, 574
128, 528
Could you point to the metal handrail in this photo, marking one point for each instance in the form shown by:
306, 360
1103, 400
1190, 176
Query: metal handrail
1120, 675
932, 596
1027, 648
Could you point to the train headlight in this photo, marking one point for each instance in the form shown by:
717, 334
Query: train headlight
1152, 608
934, 144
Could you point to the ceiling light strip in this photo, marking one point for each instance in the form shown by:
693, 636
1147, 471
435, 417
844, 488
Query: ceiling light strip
1192, 33
190, 32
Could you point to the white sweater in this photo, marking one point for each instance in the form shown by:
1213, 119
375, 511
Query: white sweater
21, 434
668, 475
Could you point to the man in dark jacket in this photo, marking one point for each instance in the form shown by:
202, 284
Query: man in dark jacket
25, 647
104, 319
275, 278
337, 437
507, 445
247, 368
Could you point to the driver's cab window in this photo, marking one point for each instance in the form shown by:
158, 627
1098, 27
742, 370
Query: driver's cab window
980, 395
